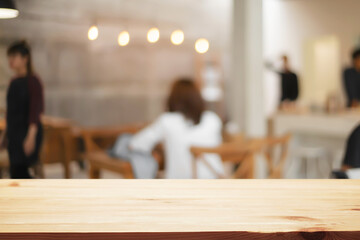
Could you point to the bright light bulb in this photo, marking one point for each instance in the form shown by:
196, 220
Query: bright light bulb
202, 45
153, 35
124, 38
8, 13
93, 33
177, 37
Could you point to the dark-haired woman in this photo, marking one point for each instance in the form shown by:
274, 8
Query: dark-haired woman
25, 104
185, 124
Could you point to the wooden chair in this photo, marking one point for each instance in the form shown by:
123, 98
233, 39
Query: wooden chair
4, 162
271, 143
96, 141
240, 153
60, 143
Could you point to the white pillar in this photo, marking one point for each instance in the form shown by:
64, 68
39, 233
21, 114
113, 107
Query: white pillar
246, 87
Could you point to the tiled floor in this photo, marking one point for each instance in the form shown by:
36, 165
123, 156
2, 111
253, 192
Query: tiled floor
55, 171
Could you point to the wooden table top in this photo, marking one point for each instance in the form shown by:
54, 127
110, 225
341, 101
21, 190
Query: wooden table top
182, 206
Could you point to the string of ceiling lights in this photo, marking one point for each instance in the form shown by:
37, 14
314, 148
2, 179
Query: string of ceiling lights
153, 35
8, 10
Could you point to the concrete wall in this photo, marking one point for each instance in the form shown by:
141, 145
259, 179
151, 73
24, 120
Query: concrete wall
100, 83
105, 86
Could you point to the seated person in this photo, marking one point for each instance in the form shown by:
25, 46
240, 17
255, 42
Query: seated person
185, 124
351, 79
351, 163
352, 154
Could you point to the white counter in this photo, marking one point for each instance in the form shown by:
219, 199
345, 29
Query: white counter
315, 130
331, 125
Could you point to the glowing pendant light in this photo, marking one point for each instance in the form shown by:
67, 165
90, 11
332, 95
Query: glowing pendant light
93, 33
124, 38
202, 45
7, 9
153, 35
177, 37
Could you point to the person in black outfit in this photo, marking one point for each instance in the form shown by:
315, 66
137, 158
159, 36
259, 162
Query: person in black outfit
289, 83
25, 104
351, 77
352, 154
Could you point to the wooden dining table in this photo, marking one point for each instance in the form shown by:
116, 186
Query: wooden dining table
179, 209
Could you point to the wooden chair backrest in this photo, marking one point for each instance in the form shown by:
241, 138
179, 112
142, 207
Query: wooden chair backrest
276, 165
235, 152
227, 150
55, 141
244, 150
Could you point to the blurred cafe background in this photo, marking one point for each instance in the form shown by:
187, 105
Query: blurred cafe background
281, 75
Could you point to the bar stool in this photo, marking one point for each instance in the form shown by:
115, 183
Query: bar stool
317, 164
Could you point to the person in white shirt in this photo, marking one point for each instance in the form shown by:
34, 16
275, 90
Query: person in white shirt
184, 125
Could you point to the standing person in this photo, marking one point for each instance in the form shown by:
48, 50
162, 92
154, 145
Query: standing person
351, 79
25, 104
289, 83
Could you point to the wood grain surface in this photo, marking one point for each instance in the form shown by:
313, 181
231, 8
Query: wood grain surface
179, 209
185, 235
